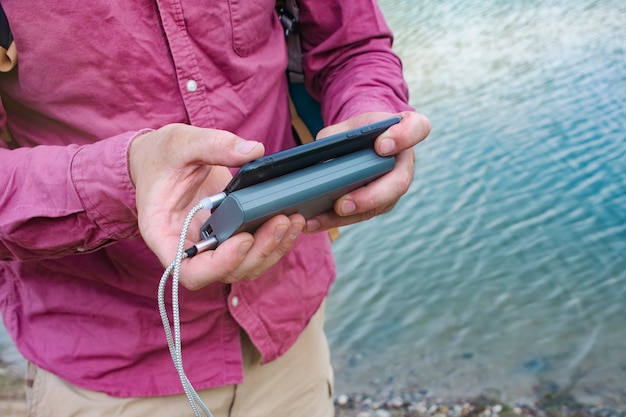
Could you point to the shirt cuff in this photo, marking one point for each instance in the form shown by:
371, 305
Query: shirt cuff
101, 177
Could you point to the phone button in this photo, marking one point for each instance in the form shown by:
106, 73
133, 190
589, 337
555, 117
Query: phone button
368, 129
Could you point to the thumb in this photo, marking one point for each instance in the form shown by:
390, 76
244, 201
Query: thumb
177, 146
214, 147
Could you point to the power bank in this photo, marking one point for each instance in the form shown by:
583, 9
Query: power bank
309, 191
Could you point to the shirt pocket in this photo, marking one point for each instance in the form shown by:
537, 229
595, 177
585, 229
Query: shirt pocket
252, 23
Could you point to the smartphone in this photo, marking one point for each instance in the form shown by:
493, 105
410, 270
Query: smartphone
308, 154
309, 191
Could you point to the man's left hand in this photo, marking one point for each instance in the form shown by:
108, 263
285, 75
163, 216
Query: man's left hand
381, 195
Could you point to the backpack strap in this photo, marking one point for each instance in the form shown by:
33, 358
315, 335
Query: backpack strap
8, 51
298, 125
305, 108
8, 61
288, 14
306, 116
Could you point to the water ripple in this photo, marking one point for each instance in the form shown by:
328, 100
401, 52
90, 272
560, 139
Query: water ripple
505, 261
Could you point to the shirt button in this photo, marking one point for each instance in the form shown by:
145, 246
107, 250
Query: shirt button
192, 86
234, 301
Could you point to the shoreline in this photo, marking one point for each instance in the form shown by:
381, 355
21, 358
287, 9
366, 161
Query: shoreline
553, 404
418, 404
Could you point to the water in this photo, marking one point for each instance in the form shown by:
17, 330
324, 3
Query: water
503, 270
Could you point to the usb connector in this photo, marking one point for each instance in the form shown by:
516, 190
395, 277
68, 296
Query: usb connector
203, 245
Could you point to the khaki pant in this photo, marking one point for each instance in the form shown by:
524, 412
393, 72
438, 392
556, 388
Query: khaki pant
297, 384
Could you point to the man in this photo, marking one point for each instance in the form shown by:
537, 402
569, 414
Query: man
124, 116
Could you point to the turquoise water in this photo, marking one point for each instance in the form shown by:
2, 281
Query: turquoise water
503, 270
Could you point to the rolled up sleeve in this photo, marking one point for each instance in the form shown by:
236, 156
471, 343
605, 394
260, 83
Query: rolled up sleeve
59, 200
348, 59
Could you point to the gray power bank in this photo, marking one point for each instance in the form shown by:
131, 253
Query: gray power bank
309, 191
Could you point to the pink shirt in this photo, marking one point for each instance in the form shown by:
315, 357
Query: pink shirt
77, 284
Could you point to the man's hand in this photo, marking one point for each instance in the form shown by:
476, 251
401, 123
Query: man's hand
173, 168
381, 195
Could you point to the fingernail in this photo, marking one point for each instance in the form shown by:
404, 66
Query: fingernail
312, 225
348, 207
246, 146
295, 230
387, 146
279, 232
244, 248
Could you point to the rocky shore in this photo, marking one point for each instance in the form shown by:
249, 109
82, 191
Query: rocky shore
550, 403
360, 405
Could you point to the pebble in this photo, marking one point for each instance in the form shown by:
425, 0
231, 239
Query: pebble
420, 408
342, 400
396, 402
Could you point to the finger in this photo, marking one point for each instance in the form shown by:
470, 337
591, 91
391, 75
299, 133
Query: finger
286, 244
243, 256
381, 193
272, 241
212, 147
368, 201
180, 148
411, 130
214, 265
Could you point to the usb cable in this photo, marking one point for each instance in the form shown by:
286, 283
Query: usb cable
173, 340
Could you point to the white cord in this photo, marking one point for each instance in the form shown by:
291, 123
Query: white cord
174, 342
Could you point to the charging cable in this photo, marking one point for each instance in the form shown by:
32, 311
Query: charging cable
174, 340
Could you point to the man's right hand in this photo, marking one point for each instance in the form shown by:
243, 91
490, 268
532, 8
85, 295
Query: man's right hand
176, 166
